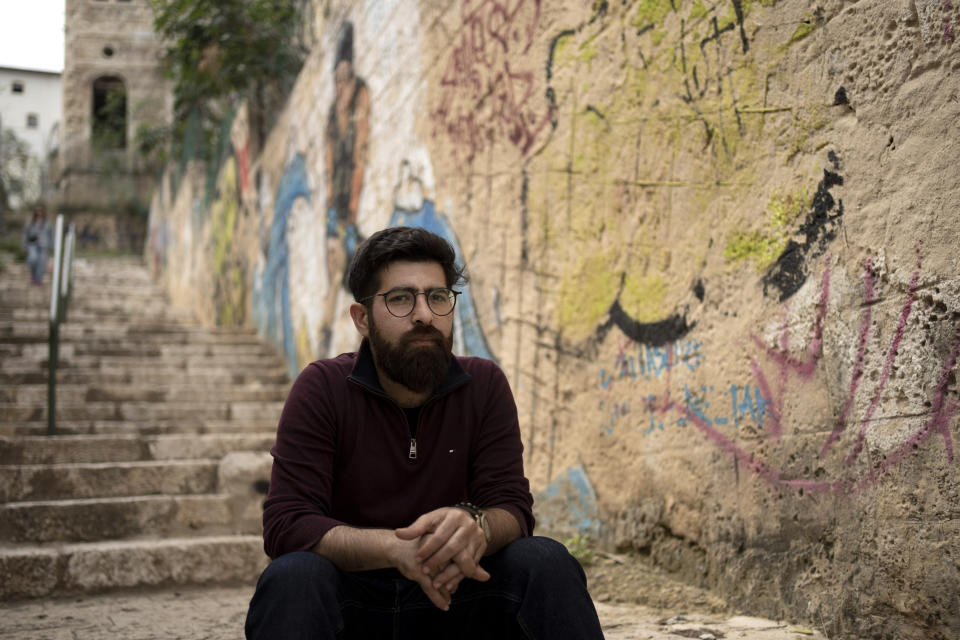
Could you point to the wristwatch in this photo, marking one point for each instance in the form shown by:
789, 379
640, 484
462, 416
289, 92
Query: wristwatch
478, 516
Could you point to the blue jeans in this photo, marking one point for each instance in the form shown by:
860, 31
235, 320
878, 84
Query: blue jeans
537, 591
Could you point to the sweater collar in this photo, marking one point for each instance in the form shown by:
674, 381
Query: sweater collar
365, 373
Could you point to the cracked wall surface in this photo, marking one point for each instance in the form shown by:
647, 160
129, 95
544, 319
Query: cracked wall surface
711, 243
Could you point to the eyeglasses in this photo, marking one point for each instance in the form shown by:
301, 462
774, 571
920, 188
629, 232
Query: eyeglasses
402, 301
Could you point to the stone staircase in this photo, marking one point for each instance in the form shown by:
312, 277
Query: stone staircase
159, 468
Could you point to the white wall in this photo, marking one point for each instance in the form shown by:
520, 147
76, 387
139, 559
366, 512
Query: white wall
41, 96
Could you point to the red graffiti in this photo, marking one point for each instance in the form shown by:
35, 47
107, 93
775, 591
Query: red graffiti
483, 97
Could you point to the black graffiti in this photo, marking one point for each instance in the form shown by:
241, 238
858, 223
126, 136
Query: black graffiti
743, 34
840, 97
553, 49
819, 228
654, 334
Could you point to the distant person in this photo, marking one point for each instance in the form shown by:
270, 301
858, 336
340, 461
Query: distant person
398, 506
36, 242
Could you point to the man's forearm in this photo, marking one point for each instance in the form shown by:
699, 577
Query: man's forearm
352, 549
504, 529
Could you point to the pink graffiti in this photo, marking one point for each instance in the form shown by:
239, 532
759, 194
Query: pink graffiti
804, 368
947, 26
942, 412
483, 97
857, 374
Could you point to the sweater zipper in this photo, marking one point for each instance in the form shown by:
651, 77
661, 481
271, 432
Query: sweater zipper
412, 452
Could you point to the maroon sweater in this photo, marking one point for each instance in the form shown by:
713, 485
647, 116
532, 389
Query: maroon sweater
343, 452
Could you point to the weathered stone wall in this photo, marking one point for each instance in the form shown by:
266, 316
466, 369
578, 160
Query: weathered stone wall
712, 244
109, 38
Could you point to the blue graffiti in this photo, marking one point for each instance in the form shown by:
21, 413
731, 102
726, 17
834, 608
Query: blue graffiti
745, 405
756, 406
271, 296
578, 496
428, 218
651, 363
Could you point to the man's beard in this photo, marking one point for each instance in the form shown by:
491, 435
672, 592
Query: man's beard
420, 368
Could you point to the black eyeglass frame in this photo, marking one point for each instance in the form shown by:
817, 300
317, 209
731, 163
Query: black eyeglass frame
425, 294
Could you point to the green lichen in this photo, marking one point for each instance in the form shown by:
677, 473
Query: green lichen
645, 299
785, 209
587, 289
806, 28
763, 247
755, 246
652, 12
588, 51
698, 10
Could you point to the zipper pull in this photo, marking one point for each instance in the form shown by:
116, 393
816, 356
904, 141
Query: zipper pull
413, 449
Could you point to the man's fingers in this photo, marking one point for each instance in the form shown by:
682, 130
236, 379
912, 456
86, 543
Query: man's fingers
439, 597
424, 524
480, 575
450, 574
439, 537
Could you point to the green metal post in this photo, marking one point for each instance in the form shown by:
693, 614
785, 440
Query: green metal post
54, 353
56, 312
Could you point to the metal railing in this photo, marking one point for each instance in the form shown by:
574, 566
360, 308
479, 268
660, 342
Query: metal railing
60, 291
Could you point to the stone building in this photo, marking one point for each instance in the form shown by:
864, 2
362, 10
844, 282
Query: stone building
112, 88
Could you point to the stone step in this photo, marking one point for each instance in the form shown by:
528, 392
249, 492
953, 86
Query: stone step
36, 349
39, 570
66, 449
190, 362
143, 411
25, 483
200, 391
159, 471
138, 427
80, 323
89, 520
36, 373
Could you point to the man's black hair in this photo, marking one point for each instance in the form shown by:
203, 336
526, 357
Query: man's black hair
399, 243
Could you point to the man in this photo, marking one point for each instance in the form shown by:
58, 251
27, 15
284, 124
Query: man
398, 507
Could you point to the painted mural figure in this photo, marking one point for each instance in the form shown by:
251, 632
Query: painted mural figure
345, 148
398, 505
413, 209
36, 241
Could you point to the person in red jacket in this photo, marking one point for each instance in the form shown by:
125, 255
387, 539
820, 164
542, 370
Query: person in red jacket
398, 506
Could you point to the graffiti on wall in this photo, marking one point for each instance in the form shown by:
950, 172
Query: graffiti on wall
412, 209
487, 93
655, 157
345, 151
733, 416
229, 265
271, 289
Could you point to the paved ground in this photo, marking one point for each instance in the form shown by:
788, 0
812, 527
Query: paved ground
217, 614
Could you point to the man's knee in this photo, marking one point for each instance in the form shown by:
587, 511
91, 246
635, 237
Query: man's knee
299, 573
296, 597
542, 557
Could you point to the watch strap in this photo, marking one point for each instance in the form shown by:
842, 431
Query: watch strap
478, 516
